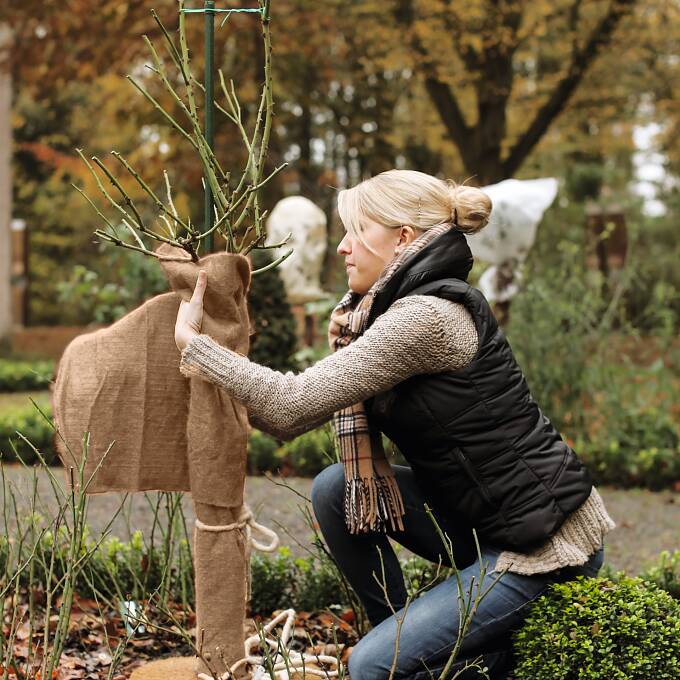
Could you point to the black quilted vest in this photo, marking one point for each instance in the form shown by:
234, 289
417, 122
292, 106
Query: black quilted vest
478, 444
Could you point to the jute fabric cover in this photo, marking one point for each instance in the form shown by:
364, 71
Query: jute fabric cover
122, 384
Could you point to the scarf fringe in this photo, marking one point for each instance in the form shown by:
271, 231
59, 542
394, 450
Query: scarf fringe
371, 502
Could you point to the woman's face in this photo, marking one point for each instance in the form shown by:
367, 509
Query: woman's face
364, 265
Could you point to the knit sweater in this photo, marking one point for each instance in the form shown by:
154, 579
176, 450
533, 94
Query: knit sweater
418, 334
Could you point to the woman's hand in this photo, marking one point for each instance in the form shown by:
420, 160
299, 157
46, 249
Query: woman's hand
190, 314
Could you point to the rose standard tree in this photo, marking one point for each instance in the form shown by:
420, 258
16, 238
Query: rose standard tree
154, 428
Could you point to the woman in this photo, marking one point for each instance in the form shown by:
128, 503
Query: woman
423, 360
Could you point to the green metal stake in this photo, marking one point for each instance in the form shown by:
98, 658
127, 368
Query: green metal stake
209, 80
209, 210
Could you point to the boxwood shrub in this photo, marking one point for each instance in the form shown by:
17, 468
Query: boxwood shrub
28, 421
600, 629
309, 453
665, 573
262, 453
23, 376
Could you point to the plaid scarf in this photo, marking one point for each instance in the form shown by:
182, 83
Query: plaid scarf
372, 496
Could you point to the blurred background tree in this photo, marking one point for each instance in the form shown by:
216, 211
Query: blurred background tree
582, 90
488, 90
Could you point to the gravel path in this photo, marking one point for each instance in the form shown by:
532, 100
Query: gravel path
648, 522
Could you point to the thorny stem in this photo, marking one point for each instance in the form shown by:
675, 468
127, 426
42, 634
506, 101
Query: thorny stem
157, 201
238, 213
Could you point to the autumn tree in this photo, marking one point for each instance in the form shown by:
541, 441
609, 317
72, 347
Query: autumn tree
477, 60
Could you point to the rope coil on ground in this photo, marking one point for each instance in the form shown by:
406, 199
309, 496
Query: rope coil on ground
246, 521
281, 663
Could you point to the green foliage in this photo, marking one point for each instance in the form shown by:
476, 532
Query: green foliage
271, 581
126, 279
420, 573
643, 449
116, 569
584, 178
314, 583
601, 630
609, 389
653, 301
552, 336
307, 584
317, 585
665, 573
275, 340
124, 569
22, 376
311, 452
43, 196
28, 421
262, 453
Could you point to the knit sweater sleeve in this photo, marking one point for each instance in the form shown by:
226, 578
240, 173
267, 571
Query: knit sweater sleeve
417, 334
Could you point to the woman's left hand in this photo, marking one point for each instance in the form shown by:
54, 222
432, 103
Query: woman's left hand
190, 314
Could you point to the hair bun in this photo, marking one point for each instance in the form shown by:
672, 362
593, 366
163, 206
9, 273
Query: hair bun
470, 207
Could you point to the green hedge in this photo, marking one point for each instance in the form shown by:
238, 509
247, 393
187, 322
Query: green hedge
23, 376
635, 448
617, 628
282, 581
600, 629
28, 421
633, 462
665, 573
304, 456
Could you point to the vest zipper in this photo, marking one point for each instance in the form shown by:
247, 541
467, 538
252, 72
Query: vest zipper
472, 473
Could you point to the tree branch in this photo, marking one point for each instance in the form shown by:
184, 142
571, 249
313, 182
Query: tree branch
581, 60
445, 102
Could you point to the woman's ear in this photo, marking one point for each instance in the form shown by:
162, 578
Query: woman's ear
407, 234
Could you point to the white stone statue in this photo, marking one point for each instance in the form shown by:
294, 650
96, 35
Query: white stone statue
301, 271
518, 207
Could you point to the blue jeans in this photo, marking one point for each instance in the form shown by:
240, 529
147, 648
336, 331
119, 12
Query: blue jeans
429, 626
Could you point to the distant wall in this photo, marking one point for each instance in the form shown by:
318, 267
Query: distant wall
46, 341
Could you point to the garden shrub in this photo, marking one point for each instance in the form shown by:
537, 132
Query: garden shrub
421, 573
665, 573
599, 629
28, 421
275, 340
281, 581
123, 281
305, 456
311, 452
317, 585
637, 448
123, 567
117, 569
271, 581
22, 376
615, 408
262, 453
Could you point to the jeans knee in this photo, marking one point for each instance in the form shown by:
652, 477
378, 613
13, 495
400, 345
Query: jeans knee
361, 664
328, 488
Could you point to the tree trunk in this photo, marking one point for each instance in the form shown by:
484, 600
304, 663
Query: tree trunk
480, 144
5, 181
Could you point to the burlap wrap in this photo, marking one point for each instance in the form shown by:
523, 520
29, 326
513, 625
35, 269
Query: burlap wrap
122, 384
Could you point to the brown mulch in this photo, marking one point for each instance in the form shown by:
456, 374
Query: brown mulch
95, 632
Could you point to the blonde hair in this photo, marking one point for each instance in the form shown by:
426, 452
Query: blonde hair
407, 197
